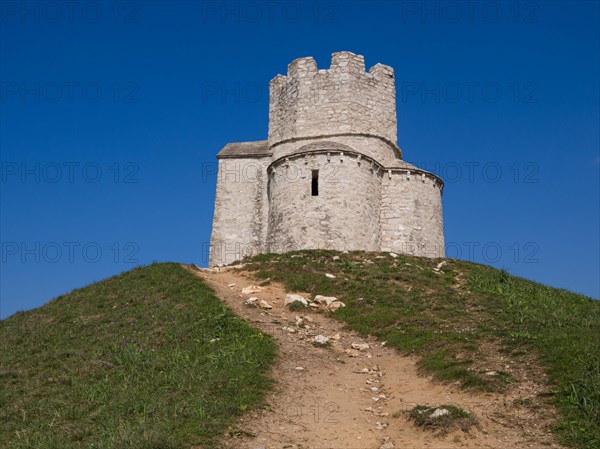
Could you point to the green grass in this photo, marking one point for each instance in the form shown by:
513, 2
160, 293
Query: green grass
296, 306
149, 359
455, 419
451, 319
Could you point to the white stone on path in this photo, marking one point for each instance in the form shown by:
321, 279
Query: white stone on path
361, 346
290, 298
251, 289
264, 304
321, 339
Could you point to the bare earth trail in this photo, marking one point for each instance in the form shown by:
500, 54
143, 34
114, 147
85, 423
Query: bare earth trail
330, 397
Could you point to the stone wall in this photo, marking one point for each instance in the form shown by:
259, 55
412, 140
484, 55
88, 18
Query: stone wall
341, 122
411, 214
309, 102
241, 210
344, 215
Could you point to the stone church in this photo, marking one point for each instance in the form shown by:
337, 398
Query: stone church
330, 175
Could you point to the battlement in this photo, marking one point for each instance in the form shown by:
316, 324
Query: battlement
341, 62
344, 99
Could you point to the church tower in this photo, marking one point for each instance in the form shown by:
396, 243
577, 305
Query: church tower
330, 175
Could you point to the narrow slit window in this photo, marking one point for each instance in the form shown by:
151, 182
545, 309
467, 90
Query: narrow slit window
315, 183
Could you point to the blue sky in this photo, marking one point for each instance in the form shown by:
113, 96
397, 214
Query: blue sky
112, 113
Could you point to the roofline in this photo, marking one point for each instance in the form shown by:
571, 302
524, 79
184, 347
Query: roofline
254, 154
247, 155
394, 146
408, 170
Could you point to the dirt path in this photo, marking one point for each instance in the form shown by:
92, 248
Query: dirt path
330, 397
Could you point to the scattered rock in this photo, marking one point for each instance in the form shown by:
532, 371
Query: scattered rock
331, 302
352, 353
439, 266
251, 301
336, 257
299, 321
373, 370
439, 412
380, 425
291, 330
335, 305
360, 346
264, 304
491, 373
330, 276
321, 340
325, 299
394, 255
299, 368
231, 285
336, 337
387, 444
290, 298
251, 289
379, 398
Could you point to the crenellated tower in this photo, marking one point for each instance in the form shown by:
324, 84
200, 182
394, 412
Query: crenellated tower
330, 175
341, 100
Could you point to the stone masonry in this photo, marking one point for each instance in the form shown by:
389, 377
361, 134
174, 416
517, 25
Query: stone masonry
330, 175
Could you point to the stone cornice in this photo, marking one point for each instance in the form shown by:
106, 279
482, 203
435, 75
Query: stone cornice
346, 150
395, 147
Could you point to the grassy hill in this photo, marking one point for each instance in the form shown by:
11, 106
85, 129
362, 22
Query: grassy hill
149, 359
462, 320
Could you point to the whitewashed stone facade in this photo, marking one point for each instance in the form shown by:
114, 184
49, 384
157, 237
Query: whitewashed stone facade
330, 175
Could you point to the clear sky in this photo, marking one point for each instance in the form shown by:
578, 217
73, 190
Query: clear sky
112, 113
